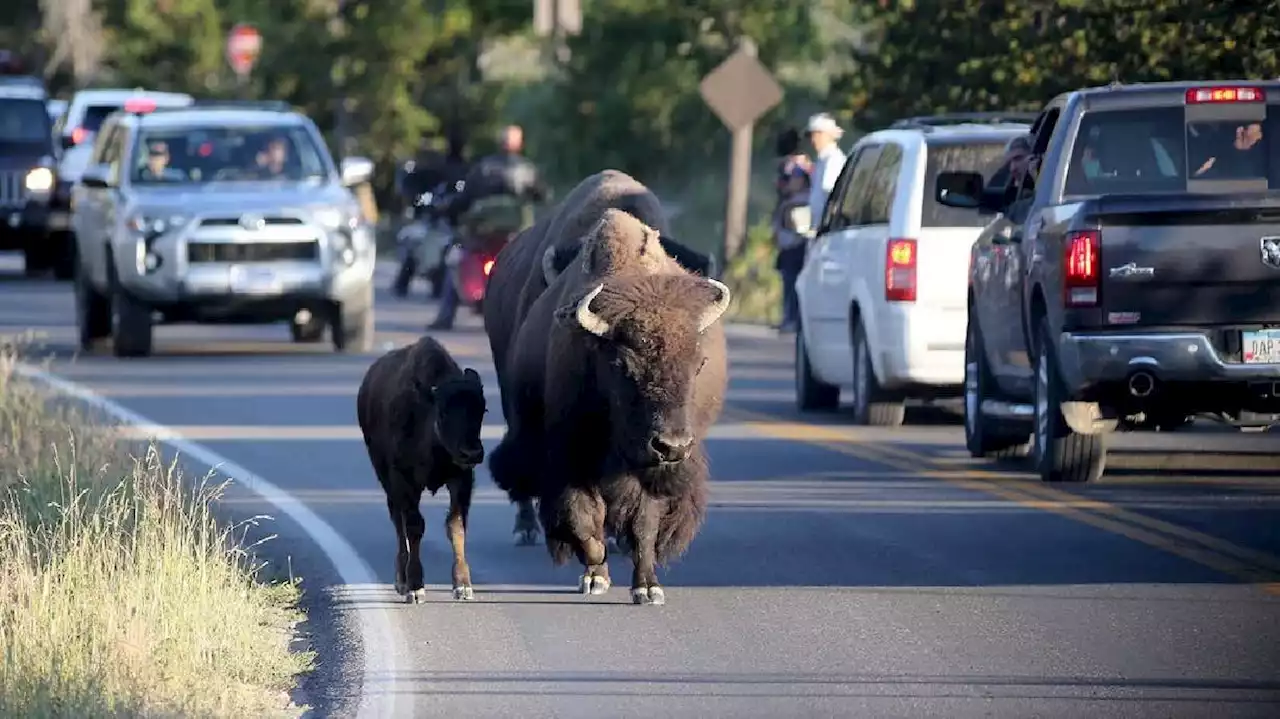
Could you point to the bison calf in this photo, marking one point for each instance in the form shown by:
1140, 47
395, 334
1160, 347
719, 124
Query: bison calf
421, 415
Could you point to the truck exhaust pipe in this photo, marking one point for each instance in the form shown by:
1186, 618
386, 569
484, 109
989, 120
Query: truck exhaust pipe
1141, 384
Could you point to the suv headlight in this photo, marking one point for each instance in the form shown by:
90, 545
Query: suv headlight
40, 180
334, 218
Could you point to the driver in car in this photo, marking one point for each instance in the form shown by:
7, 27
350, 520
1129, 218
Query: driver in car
270, 162
157, 166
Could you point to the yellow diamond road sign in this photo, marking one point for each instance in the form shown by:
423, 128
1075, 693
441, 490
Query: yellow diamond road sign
740, 90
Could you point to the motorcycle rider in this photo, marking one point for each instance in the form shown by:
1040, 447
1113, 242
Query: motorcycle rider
506, 173
431, 172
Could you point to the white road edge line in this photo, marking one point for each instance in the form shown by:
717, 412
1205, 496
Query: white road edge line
375, 626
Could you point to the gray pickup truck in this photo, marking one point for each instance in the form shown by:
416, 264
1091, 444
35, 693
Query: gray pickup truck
1131, 274
220, 215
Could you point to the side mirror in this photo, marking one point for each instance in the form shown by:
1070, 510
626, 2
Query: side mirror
959, 189
96, 176
356, 170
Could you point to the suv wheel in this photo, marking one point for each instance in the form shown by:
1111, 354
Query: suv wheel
985, 436
64, 262
130, 325
353, 325
310, 331
93, 311
812, 394
1060, 454
872, 404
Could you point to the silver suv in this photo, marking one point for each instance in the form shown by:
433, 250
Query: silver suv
210, 214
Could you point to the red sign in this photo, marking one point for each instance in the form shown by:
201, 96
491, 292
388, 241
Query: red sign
244, 44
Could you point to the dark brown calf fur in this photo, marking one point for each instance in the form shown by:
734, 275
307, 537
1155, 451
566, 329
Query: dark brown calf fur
421, 415
620, 372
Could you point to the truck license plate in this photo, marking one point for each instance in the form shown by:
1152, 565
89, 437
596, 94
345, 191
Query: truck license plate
254, 280
1261, 347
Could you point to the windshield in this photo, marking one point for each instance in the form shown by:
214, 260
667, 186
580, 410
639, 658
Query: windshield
1161, 150
24, 121
218, 154
984, 157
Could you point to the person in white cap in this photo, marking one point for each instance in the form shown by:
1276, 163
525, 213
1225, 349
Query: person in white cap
824, 134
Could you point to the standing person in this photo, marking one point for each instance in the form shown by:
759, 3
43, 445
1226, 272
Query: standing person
824, 135
789, 155
791, 232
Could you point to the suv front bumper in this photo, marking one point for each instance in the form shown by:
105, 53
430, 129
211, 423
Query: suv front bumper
1088, 360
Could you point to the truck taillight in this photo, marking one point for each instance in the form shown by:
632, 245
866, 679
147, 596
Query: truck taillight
900, 271
1200, 95
1080, 276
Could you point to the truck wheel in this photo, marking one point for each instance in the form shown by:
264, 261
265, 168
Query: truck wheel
985, 436
812, 394
1060, 454
64, 262
93, 311
130, 325
872, 404
353, 326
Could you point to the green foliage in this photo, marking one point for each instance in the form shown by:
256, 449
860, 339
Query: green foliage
756, 287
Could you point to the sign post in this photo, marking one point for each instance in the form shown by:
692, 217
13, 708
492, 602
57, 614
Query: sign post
555, 19
244, 45
739, 91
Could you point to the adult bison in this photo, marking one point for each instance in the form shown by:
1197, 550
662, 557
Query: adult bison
531, 261
617, 372
421, 416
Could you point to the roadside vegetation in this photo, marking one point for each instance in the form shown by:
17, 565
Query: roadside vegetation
120, 595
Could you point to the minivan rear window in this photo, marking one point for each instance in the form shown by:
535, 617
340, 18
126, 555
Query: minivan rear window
95, 114
957, 156
1163, 149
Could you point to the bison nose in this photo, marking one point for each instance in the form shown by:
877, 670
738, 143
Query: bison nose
671, 448
471, 457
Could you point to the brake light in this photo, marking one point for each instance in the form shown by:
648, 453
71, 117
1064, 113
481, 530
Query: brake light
900, 271
488, 267
1080, 277
139, 105
77, 135
1225, 94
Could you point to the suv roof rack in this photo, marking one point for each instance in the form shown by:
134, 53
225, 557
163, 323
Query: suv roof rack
928, 122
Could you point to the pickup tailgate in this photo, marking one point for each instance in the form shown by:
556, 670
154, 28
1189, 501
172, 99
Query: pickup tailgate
1191, 260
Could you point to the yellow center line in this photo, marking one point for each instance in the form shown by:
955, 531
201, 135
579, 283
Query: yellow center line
1250, 565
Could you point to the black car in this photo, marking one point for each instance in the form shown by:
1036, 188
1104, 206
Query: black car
28, 176
1130, 274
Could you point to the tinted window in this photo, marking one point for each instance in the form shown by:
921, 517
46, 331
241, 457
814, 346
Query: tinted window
1160, 150
95, 114
855, 194
213, 154
957, 156
24, 122
882, 185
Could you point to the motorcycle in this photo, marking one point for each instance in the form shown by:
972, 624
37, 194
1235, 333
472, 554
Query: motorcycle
420, 247
485, 229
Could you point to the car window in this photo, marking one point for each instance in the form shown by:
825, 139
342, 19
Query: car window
102, 145
202, 154
855, 194
831, 219
881, 185
115, 154
24, 122
985, 157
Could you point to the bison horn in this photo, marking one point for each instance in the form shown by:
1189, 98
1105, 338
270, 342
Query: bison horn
589, 320
713, 313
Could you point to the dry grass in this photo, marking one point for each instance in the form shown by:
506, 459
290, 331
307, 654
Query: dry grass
120, 595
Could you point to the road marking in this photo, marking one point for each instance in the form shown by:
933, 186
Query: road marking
376, 633
1252, 566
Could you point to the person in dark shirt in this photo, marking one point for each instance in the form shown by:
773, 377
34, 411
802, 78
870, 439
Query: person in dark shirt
1244, 159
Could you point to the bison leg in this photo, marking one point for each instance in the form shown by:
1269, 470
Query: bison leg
409, 527
456, 527
526, 529
643, 540
586, 513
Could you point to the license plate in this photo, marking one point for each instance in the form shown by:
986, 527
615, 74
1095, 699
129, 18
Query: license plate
1261, 347
254, 280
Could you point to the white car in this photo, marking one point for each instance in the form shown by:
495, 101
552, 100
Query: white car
79, 123
884, 286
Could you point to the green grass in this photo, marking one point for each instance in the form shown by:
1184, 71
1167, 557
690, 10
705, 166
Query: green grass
120, 594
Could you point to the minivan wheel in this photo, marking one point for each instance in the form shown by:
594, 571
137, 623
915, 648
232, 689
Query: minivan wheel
1060, 455
872, 404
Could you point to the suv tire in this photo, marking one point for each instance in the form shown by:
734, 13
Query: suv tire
131, 326
93, 311
1060, 455
985, 436
812, 394
308, 332
64, 263
353, 324
872, 404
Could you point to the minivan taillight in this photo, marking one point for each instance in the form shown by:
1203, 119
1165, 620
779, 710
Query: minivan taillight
900, 270
78, 135
1080, 275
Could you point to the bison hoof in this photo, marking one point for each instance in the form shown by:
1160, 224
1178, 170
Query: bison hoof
648, 595
465, 594
593, 584
527, 537
417, 596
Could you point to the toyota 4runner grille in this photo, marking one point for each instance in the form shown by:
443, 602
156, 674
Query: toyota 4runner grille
233, 221
203, 252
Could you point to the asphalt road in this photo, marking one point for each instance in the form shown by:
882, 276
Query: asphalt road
842, 571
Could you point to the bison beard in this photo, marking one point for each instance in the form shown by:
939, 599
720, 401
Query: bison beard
421, 415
